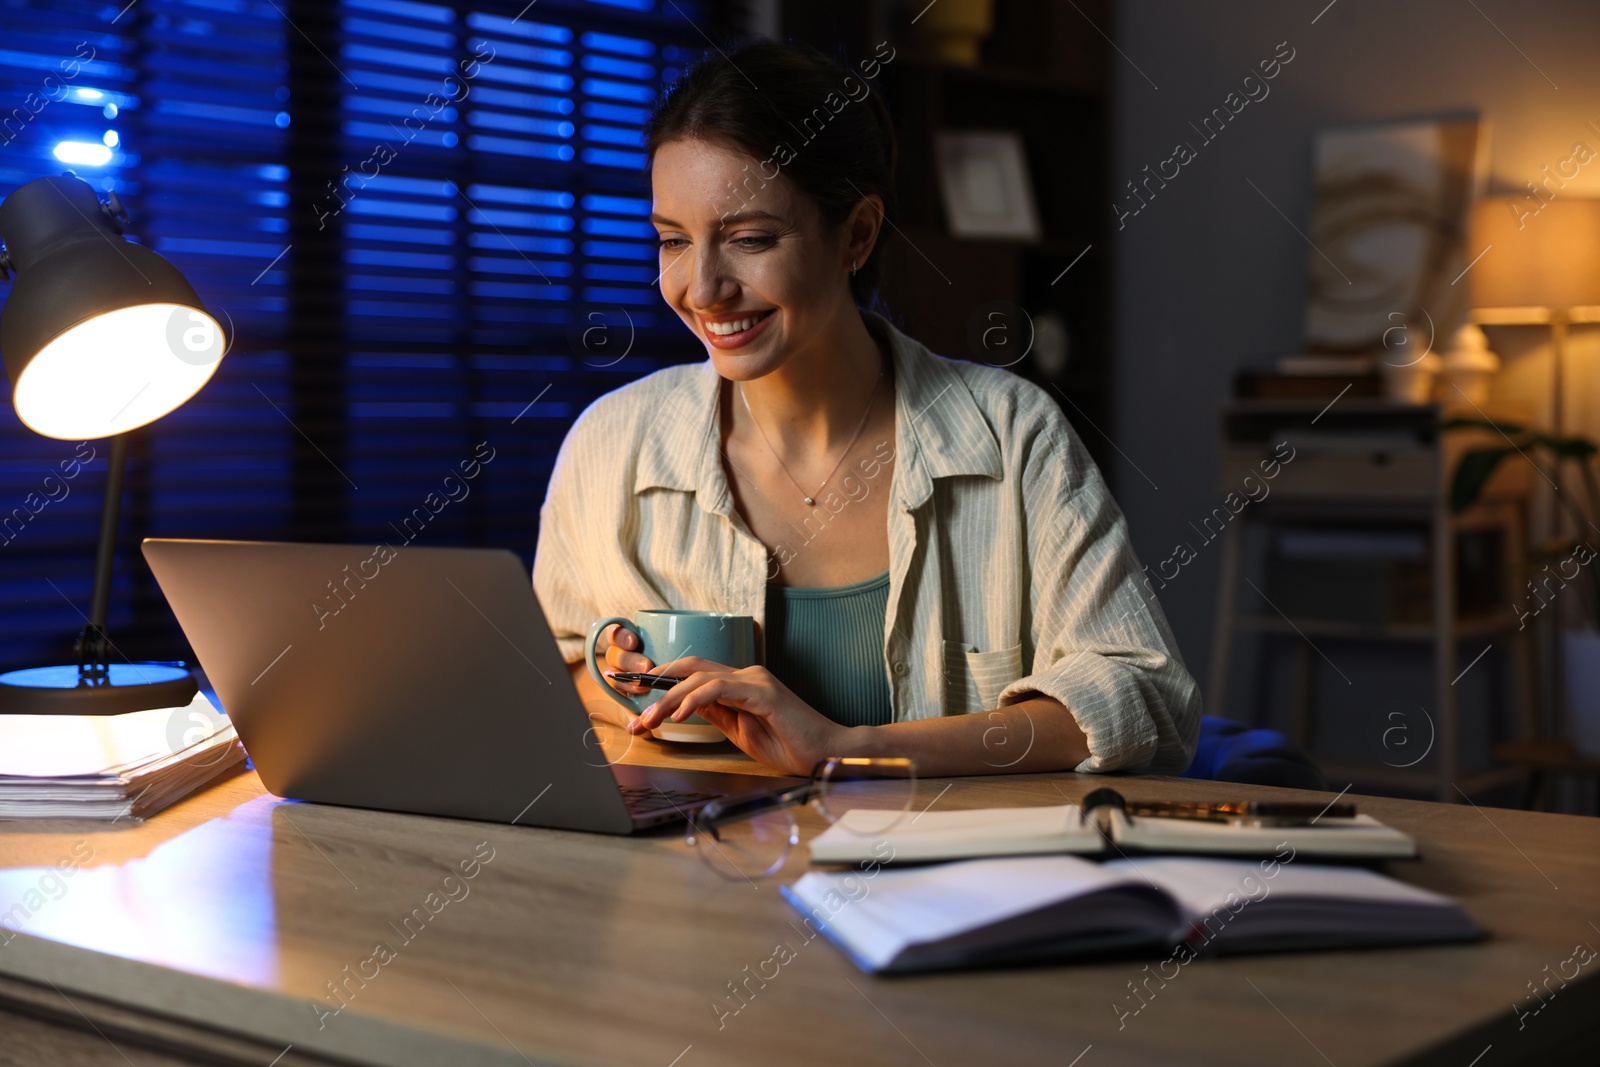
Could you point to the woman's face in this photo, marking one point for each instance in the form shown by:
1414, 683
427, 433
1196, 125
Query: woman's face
745, 260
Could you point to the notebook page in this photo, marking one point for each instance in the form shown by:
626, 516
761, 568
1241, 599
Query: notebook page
955, 834
1200, 886
878, 916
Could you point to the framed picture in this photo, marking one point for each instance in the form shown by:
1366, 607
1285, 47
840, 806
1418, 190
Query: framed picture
983, 180
1388, 226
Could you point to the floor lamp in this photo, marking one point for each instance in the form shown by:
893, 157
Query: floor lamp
1539, 265
100, 336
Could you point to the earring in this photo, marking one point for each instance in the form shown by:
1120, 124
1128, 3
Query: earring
853, 267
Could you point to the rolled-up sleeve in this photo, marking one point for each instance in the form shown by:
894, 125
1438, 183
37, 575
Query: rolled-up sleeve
558, 568
1102, 646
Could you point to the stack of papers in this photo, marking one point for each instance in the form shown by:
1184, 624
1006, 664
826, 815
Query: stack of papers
111, 766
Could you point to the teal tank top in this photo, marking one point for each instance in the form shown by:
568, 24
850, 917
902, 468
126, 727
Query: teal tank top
826, 644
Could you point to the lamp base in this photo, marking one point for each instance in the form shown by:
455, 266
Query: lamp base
127, 687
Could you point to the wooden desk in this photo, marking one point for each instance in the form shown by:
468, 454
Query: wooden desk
207, 935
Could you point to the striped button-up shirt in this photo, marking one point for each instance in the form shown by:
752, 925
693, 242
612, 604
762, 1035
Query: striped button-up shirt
1010, 569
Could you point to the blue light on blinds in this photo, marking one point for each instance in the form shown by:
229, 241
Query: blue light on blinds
618, 250
552, 268
618, 228
612, 272
608, 157
509, 98
405, 9
620, 68
368, 205
529, 220
522, 124
610, 42
408, 34
508, 146
84, 153
536, 31
365, 232
617, 205
545, 57
614, 135
520, 243
550, 126
635, 116
507, 194
615, 90
393, 57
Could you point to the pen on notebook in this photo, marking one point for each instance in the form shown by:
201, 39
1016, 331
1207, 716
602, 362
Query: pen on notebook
1265, 812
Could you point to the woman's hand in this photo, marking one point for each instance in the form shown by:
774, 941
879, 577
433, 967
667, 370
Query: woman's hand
758, 713
620, 647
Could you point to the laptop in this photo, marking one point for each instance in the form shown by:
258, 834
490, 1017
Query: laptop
420, 680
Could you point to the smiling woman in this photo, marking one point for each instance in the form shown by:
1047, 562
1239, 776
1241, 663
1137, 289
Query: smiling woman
992, 574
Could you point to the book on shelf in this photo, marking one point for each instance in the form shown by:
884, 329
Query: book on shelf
1269, 384
1024, 909
111, 767
1326, 365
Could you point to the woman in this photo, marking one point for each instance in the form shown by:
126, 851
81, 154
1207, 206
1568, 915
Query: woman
933, 561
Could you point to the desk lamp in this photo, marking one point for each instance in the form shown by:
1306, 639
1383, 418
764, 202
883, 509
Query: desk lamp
100, 336
1541, 267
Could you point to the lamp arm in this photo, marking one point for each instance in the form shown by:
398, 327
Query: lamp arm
93, 645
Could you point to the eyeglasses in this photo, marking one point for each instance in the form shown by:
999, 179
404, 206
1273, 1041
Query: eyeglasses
743, 838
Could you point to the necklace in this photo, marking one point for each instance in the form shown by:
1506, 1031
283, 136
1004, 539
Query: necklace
810, 498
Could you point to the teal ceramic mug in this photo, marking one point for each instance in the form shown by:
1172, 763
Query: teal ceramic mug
665, 635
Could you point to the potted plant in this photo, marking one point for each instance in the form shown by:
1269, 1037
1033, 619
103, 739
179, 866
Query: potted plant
1562, 570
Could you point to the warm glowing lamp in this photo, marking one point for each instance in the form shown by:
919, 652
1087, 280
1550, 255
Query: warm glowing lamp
99, 337
1539, 265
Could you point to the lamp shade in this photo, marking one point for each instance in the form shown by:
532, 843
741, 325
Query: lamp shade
1540, 254
99, 335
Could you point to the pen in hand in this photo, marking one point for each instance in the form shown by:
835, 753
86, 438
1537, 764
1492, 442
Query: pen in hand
641, 678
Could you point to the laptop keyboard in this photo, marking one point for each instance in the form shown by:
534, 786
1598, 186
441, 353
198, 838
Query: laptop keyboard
648, 800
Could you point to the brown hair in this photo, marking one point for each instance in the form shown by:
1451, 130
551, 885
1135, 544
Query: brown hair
795, 109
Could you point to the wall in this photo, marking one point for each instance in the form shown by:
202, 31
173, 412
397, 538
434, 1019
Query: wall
1210, 274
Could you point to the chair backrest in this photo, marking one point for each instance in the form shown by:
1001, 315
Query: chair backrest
1232, 752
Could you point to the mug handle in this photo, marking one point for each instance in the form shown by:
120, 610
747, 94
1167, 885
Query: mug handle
594, 667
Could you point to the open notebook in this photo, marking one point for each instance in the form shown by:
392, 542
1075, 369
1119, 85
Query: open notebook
1034, 908
947, 835
111, 766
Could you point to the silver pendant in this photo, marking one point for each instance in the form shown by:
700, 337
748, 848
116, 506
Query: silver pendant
810, 500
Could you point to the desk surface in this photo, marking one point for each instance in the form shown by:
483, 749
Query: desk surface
217, 926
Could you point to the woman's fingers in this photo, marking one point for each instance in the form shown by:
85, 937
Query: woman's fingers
619, 640
724, 690
658, 712
684, 666
702, 690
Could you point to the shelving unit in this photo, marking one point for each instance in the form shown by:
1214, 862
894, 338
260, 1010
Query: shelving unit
1044, 74
1380, 464
944, 288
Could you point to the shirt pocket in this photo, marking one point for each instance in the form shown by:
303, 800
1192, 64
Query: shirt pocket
974, 680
